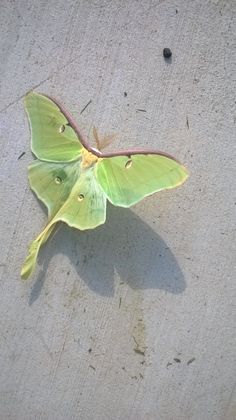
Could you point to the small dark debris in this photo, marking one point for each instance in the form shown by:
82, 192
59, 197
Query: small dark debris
84, 108
89, 350
138, 351
176, 11
21, 155
92, 367
141, 110
68, 273
191, 360
135, 340
167, 53
125, 94
169, 364
120, 302
177, 360
187, 122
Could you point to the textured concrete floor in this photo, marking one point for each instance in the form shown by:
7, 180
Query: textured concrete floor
159, 278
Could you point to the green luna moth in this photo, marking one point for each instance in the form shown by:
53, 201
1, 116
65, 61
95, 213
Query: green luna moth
75, 181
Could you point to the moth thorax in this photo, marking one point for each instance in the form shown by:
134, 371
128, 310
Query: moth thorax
88, 159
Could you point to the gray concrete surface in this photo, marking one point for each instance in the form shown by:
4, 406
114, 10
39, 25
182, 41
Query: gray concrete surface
159, 278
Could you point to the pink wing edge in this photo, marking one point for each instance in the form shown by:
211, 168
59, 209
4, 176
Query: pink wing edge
83, 139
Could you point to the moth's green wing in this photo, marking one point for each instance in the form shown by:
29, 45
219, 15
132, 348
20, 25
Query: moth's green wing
67, 187
86, 205
84, 208
128, 179
53, 182
52, 138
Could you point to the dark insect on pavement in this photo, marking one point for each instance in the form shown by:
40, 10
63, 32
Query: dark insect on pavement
167, 53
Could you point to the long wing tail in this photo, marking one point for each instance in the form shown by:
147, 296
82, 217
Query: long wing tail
30, 261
